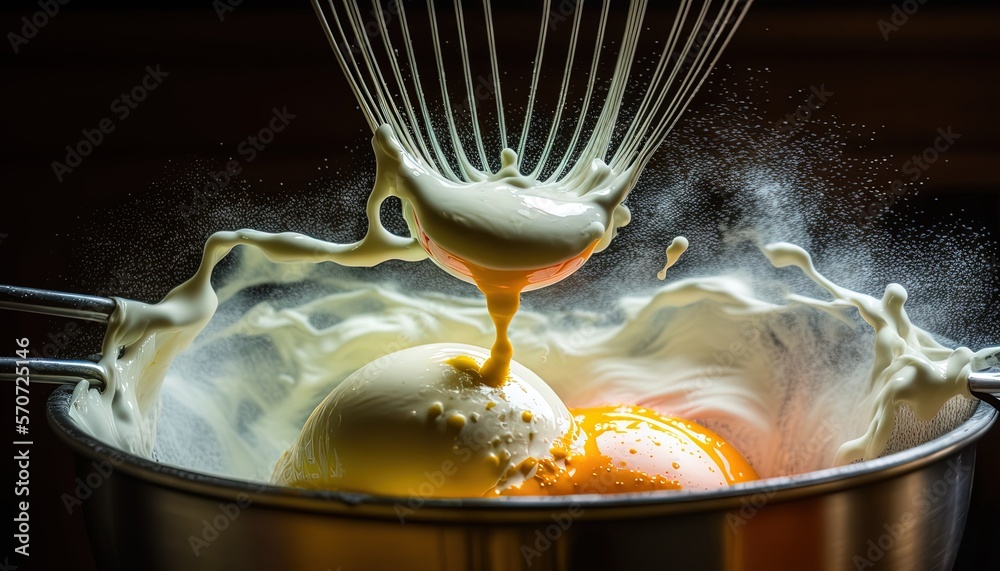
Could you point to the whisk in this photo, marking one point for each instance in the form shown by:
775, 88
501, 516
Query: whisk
518, 195
618, 108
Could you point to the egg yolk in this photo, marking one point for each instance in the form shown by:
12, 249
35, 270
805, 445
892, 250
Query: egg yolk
502, 289
617, 449
611, 449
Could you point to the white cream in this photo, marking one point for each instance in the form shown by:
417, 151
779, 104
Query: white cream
507, 221
674, 251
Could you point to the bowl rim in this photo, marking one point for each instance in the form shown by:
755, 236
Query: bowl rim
518, 508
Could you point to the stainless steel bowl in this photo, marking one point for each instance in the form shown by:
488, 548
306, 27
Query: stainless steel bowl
904, 511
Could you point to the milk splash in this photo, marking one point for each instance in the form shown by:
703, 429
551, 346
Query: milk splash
664, 355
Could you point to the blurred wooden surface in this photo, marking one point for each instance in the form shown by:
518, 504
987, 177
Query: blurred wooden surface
938, 70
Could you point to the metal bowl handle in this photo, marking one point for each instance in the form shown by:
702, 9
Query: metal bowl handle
72, 305
55, 371
985, 383
986, 387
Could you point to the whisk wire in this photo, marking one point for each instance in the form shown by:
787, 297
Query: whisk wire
385, 78
470, 89
444, 167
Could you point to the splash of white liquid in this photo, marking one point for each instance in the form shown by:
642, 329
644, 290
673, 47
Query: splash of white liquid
666, 355
149, 337
910, 366
674, 251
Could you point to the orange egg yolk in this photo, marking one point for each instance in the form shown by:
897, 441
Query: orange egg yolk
617, 449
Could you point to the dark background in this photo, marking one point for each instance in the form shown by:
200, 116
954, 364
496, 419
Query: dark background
939, 69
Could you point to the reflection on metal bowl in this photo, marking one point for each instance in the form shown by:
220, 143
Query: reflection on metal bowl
904, 511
